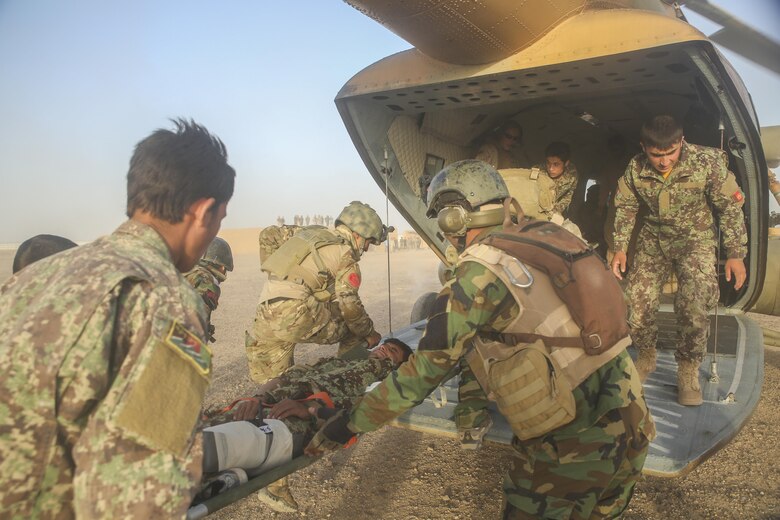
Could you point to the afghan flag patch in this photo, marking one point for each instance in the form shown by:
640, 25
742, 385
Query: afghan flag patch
189, 346
737, 196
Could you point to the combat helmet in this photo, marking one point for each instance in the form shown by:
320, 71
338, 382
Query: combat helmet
219, 254
363, 220
456, 193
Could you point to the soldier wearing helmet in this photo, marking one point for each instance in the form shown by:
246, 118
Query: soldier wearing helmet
552, 396
311, 296
208, 273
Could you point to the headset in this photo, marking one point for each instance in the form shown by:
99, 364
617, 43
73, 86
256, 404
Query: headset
455, 220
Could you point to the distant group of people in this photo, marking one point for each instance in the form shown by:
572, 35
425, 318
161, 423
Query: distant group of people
301, 220
105, 345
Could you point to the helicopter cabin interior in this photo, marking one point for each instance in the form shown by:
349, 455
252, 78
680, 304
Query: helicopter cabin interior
409, 115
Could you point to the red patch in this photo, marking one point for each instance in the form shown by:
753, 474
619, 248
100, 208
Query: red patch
738, 197
354, 280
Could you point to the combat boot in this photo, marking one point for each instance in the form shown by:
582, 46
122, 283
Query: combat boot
645, 363
688, 387
278, 497
471, 438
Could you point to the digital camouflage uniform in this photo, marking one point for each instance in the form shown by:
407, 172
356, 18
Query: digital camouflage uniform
205, 279
93, 341
678, 236
344, 382
555, 194
289, 312
584, 469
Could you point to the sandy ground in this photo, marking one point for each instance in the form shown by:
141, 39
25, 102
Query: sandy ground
398, 474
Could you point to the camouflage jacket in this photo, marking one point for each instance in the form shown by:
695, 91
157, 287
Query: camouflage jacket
680, 207
344, 382
477, 302
555, 195
92, 341
206, 284
341, 276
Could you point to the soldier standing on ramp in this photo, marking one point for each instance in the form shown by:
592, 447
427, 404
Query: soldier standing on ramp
677, 182
581, 424
93, 338
210, 271
311, 296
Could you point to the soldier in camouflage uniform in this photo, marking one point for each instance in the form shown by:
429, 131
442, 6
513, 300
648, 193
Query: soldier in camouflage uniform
93, 338
497, 151
557, 181
329, 382
206, 276
678, 183
584, 468
311, 295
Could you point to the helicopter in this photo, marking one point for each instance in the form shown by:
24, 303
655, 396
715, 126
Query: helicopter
586, 73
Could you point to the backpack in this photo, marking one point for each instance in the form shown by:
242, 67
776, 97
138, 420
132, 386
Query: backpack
581, 278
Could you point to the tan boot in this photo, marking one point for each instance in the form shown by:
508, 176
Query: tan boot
277, 496
645, 363
688, 387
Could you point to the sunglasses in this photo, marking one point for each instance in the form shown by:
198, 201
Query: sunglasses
513, 137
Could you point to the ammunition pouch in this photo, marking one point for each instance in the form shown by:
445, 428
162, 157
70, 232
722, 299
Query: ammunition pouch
526, 383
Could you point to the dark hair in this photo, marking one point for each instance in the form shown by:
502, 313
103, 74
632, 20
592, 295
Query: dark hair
406, 348
171, 170
38, 247
558, 149
661, 132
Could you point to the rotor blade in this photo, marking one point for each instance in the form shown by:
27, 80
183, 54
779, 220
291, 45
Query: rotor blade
738, 36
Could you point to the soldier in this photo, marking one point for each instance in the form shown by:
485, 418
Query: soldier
677, 182
281, 405
93, 338
37, 247
497, 150
583, 465
558, 181
311, 296
210, 271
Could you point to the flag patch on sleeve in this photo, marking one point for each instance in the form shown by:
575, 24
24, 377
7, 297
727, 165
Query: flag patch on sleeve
189, 346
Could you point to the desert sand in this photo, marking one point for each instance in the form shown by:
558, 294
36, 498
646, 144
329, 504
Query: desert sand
399, 475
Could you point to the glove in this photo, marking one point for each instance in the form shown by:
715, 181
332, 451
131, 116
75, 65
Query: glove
333, 434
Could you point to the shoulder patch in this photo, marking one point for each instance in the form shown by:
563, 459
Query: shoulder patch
188, 346
737, 196
354, 280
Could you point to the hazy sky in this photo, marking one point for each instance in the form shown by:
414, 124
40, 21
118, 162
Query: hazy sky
82, 81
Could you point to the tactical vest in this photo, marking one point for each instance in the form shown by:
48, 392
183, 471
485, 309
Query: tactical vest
285, 262
532, 382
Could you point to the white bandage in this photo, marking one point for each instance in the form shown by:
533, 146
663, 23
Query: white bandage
241, 444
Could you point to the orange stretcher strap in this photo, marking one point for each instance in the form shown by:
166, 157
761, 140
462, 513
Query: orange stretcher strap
324, 397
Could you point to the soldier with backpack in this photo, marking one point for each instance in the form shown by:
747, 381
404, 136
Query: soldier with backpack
520, 311
311, 296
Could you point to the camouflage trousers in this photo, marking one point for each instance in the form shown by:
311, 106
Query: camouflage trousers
280, 325
472, 408
589, 474
697, 294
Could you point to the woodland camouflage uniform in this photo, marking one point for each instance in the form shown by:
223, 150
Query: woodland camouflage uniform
557, 475
678, 236
289, 312
92, 341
